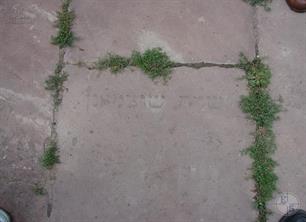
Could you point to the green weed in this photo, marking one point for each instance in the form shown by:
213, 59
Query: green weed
116, 63
154, 62
263, 170
65, 37
263, 111
261, 108
264, 3
257, 73
50, 156
39, 189
55, 84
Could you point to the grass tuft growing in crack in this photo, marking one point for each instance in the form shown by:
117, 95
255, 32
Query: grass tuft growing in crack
55, 84
64, 37
38, 189
50, 156
258, 74
264, 3
263, 111
260, 107
153, 62
116, 63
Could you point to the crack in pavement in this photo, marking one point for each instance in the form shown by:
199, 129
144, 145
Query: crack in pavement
255, 31
199, 65
194, 65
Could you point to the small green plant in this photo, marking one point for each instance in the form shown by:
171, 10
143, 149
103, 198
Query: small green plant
263, 170
50, 156
261, 108
65, 17
39, 190
264, 3
116, 63
257, 73
263, 111
55, 84
154, 62
56, 81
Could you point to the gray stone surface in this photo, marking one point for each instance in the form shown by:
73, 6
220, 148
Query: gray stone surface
283, 41
133, 150
188, 30
26, 59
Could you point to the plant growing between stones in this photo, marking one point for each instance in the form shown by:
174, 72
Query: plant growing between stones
154, 62
65, 17
263, 111
39, 190
116, 63
50, 156
264, 3
257, 73
55, 84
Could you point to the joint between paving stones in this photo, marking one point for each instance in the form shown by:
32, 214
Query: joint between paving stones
195, 65
255, 31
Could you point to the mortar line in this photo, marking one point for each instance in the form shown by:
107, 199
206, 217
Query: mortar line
62, 40
199, 65
262, 210
194, 65
255, 30
54, 136
90, 66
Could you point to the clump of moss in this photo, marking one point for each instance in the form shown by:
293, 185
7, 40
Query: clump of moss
64, 37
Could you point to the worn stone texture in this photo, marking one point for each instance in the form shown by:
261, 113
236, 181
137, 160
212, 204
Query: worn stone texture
282, 39
213, 31
26, 59
132, 150
135, 150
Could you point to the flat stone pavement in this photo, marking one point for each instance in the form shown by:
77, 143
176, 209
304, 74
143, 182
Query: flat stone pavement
26, 59
138, 151
135, 150
282, 40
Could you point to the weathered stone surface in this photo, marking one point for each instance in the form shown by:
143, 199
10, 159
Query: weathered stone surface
133, 150
26, 59
283, 41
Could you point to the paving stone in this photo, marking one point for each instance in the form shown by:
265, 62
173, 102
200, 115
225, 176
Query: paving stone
132, 150
215, 31
26, 59
283, 42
